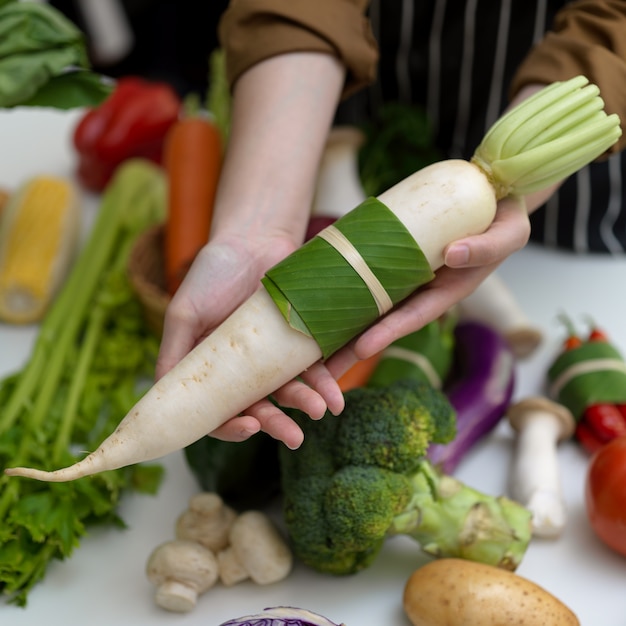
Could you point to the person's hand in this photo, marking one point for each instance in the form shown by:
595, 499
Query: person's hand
221, 278
467, 263
281, 112
223, 275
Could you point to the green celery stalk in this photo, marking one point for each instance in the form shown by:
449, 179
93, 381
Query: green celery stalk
62, 322
94, 331
43, 404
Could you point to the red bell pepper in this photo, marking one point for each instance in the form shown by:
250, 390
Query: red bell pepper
131, 122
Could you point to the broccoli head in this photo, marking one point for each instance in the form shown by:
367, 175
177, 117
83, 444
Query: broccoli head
392, 427
362, 476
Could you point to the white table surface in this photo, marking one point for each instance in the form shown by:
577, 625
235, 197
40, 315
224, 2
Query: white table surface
103, 582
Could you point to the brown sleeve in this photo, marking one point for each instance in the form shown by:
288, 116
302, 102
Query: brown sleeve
588, 37
253, 30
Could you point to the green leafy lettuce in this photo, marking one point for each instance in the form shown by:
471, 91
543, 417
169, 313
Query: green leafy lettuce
44, 60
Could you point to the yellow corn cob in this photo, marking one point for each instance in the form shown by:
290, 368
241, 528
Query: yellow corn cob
39, 230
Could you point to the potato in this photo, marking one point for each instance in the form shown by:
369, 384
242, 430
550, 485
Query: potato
451, 592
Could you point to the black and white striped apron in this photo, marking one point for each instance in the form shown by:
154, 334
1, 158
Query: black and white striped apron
456, 59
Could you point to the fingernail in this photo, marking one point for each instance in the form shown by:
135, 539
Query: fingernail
457, 256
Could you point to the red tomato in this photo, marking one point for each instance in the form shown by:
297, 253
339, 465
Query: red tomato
605, 494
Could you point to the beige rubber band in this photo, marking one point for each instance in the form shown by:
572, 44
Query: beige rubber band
585, 367
338, 240
403, 354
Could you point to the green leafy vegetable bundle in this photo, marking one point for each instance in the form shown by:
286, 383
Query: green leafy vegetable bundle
91, 360
43, 59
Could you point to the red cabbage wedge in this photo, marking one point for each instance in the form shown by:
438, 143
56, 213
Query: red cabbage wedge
282, 616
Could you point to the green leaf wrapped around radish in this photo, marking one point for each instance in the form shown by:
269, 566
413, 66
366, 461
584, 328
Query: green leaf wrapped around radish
346, 277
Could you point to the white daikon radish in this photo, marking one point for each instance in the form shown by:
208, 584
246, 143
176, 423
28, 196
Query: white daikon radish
261, 346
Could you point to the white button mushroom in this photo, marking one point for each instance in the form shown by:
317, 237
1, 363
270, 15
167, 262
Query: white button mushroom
232, 571
257, 550
181, 570
207, 521
535, 480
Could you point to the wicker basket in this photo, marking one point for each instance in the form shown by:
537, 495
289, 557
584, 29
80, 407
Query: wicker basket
145, 270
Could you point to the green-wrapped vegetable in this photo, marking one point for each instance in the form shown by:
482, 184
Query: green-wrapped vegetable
426, 354
589, 378
593, 373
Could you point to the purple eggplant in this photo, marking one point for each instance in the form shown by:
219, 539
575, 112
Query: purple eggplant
480, 390
282, 616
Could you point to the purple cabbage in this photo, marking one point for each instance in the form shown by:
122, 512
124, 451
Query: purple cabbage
282, 616
481, 391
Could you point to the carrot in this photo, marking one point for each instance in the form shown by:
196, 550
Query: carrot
192, 159
359, 373
265, 342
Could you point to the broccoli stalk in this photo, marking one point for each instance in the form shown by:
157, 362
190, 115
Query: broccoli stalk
449, 518
362, 476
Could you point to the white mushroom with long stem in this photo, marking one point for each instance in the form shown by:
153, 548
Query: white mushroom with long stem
257, 551
540, 425
181, 570
494, 304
